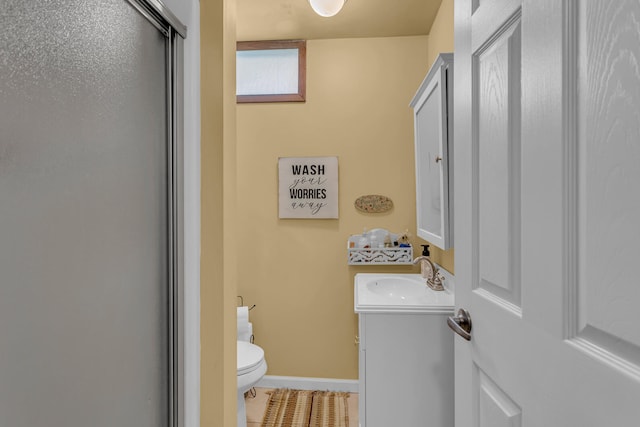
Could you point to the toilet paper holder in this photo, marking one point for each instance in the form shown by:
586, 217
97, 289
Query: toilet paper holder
242, 303
252, 336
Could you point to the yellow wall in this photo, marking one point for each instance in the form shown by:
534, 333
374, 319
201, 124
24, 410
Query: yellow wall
440, 41
218, 250
295, 271
441, 34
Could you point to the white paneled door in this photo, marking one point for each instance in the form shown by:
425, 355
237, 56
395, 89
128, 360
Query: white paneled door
547, 149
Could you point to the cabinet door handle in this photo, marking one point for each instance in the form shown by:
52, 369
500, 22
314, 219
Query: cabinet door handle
438, 159
461, 324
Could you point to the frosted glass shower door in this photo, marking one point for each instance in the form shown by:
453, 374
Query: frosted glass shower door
85, 196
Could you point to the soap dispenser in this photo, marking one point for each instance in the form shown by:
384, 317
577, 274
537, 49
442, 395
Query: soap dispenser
425, 250
426, 266
429, 271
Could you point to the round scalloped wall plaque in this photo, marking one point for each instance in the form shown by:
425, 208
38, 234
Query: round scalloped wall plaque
373, 203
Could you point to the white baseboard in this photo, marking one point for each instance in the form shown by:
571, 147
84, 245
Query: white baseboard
304, 383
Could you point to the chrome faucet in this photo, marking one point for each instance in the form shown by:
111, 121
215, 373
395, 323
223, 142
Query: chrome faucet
430, 272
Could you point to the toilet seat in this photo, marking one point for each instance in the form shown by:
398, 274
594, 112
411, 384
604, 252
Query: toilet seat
251, 368
250, 356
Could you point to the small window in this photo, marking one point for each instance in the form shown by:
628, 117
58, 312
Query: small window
271, 71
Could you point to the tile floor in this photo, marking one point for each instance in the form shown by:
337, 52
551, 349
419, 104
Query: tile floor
257, 405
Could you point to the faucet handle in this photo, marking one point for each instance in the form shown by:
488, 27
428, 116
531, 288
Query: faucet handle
438, 276
435, 282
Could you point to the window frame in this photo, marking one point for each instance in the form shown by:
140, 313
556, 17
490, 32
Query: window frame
301, 45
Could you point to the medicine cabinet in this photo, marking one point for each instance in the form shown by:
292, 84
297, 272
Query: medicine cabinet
433, 127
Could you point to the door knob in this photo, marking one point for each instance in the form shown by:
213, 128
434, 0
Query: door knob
461, 324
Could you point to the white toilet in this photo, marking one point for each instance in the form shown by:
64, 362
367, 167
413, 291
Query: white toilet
251, 369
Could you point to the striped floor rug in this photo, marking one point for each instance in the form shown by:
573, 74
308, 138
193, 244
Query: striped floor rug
303, 408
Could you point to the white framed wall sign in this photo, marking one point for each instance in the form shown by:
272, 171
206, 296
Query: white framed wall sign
308, 187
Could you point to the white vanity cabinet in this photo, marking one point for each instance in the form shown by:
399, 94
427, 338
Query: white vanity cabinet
406, 370
433, 130
405, 353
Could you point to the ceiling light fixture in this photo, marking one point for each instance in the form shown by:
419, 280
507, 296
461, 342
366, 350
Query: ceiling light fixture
327, 8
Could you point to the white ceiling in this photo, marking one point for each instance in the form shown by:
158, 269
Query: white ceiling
294, 19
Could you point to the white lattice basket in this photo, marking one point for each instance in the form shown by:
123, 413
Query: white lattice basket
394, 255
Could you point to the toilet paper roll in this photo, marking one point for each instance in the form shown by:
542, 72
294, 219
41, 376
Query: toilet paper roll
243, 321
246, 335
243, 316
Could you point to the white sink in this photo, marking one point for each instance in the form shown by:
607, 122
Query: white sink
380, 292
397, 288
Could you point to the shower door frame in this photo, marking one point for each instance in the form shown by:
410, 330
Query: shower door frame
174, 31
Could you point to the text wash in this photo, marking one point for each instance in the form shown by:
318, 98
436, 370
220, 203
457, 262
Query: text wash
308, 169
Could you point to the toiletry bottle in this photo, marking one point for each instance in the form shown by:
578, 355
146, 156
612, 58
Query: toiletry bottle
363, 241
426, 267
373, 240
387, 241
404, 240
